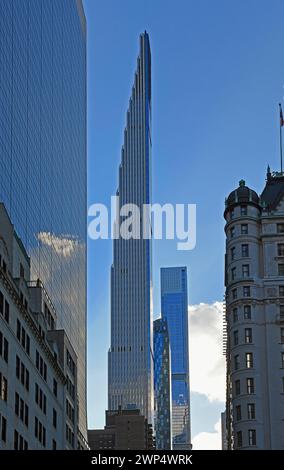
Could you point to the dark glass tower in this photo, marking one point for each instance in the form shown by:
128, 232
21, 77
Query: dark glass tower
130, 355
43, 152
174, 304
162, 385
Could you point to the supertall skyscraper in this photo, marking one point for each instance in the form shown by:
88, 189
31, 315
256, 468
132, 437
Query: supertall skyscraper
131, 350
174, 304
254, 278
43, 153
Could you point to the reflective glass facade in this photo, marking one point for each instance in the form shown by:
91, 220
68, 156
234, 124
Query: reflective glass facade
162, 385
130, 355
174, 304
43, 152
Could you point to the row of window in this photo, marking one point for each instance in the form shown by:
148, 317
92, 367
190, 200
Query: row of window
69, 436
4, 308
22, 373
244, 251
250, 414
251, 438
41, 366
21, 409
4, 347
246, 313
245, 272
246, 292
19, 442
248, 361
247, 336
244, 211
40, 432
70, 363
244, 230
70, 411
40, 398
23, 337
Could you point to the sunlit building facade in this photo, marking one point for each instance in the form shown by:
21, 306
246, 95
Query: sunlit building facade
174, 303
43, 154
131, 349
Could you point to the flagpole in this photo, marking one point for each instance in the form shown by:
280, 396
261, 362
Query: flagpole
281, 124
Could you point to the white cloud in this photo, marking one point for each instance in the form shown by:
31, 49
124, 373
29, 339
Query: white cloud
64, 246
209, 440
207, 363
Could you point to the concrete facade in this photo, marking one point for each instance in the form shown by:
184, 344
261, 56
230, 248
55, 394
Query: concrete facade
254, 279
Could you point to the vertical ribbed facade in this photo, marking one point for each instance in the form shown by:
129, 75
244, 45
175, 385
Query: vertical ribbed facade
162, 385
130, 355
174, 303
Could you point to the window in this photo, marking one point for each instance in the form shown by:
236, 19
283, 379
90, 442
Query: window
237, 387
244, 210
7, 311
54, 418
237, 361
282, 360
250, 386
249, 360
244, 229
246, 291
53, 444
4, 347
233, 232
22, 373
232, 214
280, 269
251, 411
281, 291
235, 294
235, 315
280, 249
238, 413
247, 312
281, 312
239, 439
41, 366
280, 228
233, 253
19, 442
234, 273
282, 384
54, 387
3, 388
245, 251
1, 304
236, 338
252, 437
3, 428
245, 270
282, 335
248, 335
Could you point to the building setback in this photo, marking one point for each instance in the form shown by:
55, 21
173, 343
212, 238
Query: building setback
174, 303
162, 385
43, 179
254, 279
124, 430
131, 350
35, 377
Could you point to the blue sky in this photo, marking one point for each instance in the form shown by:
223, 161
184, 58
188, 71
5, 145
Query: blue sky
218, 75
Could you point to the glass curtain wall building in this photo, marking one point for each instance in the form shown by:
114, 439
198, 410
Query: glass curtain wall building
174, 304
162, 385
130, 354
43, 153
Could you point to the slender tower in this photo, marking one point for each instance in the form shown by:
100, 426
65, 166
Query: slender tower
174, 304
130, 354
